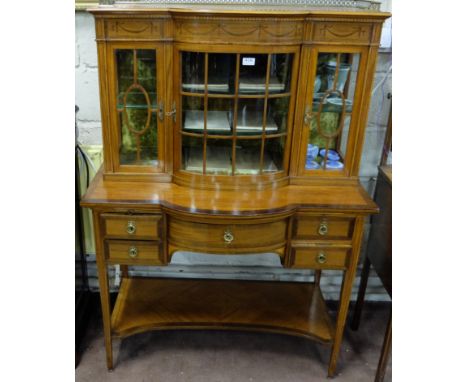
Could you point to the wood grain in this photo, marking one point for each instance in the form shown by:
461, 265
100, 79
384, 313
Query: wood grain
131, 195
150, 304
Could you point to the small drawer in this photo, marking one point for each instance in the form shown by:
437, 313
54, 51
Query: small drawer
227, 238
310, 227
133, 252
131, 226
319, 257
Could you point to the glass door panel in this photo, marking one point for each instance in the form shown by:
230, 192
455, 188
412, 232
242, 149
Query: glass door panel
137, 106
330, 114
221, 73
192, 154
193, 72
280, 73
250, 117
219, 116
252, 73
236, 108
193, 114
277, 115
248, 153
273, 155
218, 156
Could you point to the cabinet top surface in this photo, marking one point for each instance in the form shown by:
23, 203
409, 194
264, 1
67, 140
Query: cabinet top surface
350, 199
254, 10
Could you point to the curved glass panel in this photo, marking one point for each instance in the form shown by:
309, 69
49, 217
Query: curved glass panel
235, 121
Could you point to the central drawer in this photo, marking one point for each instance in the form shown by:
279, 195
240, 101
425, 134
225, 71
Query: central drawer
219, 237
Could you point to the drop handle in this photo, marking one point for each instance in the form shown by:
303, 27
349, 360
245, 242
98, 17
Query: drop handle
321, 258
228, 236
133, 252
131, 227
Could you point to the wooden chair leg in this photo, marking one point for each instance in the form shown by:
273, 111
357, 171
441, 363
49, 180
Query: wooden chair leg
381, 368
361, 294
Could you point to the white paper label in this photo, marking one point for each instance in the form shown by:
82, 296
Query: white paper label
248, 61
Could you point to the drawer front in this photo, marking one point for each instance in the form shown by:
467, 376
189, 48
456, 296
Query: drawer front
131, 226
229, 238
309, 227
319, 257
133, 252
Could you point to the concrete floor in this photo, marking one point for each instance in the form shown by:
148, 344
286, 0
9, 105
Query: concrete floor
230, 356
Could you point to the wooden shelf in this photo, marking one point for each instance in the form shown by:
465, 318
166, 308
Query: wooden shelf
155, 304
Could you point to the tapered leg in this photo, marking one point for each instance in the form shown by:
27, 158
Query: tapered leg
379, 376
346, 288
103, 291
318, 275
361, 294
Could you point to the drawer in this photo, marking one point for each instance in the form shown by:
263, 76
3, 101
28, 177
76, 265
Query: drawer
131, 226
313, 227
227, 238
319, 257
133, 252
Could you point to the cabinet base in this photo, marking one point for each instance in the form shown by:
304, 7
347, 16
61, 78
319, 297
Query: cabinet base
283, 307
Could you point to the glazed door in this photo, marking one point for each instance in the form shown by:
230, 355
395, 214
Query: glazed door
235, 113
137, 101
330, 112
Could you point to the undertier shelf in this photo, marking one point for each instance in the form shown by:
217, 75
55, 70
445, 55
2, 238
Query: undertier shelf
283, 307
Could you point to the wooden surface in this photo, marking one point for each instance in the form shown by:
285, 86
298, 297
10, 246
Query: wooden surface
292, 308
350, 198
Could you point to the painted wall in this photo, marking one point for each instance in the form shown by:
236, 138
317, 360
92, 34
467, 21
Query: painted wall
196, 265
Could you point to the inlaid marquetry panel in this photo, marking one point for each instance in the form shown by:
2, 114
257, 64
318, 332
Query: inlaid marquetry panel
137, 29
240, 31
346, 33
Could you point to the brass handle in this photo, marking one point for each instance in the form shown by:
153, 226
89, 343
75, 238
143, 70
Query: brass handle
131, 228
323, 229
228, 236
321, 258
133, 252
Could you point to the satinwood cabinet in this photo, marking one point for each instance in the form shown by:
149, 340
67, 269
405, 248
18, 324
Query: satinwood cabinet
231, 130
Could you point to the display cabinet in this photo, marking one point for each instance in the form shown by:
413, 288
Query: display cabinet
232, 130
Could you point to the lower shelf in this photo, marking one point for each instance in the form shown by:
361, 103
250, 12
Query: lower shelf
282, 307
